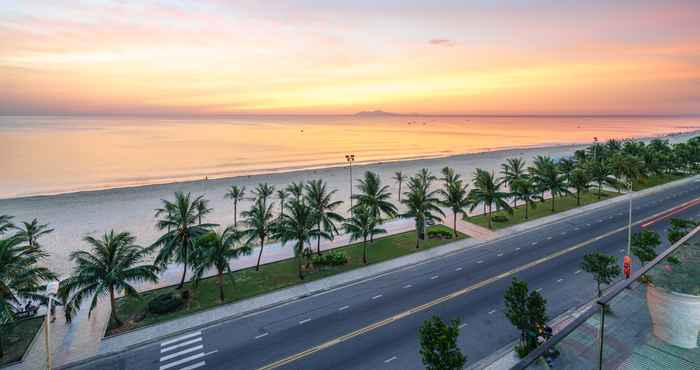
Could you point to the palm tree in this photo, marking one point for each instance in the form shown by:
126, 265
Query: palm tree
236, 194
513, 170
203, 209
296, 189
215, 250
297, 225
524, 189
31, 231
180, 219
581, 181
20, 277
399, 177
110, 268
321, 202
625, 168
566, 168
448, 175
600, 174
487, 191
260, 222
421, 204
5, 223
362, 226
263, 192
455, 196
375, 196
282, 196
547, 177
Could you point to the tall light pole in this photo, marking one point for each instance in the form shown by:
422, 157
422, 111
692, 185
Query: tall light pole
350, 158
628, 257
51, 290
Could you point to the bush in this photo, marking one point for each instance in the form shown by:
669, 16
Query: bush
439, 234
499, 218
165, 303
333, 258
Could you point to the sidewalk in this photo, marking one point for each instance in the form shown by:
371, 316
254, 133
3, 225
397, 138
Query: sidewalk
83, 338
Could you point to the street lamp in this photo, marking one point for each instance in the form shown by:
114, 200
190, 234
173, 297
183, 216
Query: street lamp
350, 158
628, 269
51, 291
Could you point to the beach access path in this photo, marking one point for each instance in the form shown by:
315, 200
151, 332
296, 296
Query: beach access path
83, 341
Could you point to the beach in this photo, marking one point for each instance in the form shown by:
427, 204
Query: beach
74, 215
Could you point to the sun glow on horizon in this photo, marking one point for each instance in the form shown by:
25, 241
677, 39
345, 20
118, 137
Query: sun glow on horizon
209, 57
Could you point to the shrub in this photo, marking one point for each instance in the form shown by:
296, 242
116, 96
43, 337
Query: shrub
333, 258
499, 218
165, 303
439, 234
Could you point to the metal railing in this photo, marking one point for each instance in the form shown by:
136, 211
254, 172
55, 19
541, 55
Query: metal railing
600, 307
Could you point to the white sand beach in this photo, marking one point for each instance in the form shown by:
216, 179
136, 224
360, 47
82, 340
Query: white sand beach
75, 215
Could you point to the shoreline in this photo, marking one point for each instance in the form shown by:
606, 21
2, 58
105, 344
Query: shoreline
75, 215
189, 180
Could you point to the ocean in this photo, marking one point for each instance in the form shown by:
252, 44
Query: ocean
52, 155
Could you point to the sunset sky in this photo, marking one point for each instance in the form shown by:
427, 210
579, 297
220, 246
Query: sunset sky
226, 57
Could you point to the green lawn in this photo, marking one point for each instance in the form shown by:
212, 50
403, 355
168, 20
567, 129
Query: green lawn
272, 276
16, 338
651, 181
542, 210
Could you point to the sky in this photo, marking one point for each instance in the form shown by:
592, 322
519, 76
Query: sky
199, 57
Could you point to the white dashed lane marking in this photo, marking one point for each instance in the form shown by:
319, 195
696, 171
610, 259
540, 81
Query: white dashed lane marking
407, 286
377, 296
458, 269
304, 321
434, 277
343, 308
388, 360
261, 335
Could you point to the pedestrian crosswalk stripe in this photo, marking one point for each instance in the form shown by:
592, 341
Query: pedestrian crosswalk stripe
176, 354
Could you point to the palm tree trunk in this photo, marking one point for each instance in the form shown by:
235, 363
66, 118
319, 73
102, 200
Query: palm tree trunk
526, 204
301, 275
553, 196
235, 213
318, 246
262, 245
490, 224
399, 191
184, 263
221, 286
417, 237
454, 224
2, 349
364, 250
600, 190
578, 197
599, 291
113, 306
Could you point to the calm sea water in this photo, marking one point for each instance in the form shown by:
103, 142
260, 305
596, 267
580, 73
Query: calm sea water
46, 155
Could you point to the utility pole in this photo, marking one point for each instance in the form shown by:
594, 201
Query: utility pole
350, 158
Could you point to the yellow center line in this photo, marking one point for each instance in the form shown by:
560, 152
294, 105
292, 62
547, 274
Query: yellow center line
458, 293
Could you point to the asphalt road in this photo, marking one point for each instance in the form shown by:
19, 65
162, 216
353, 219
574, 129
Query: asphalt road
374, 324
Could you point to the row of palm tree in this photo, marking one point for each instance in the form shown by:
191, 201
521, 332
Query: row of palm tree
308, 211
617, 164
